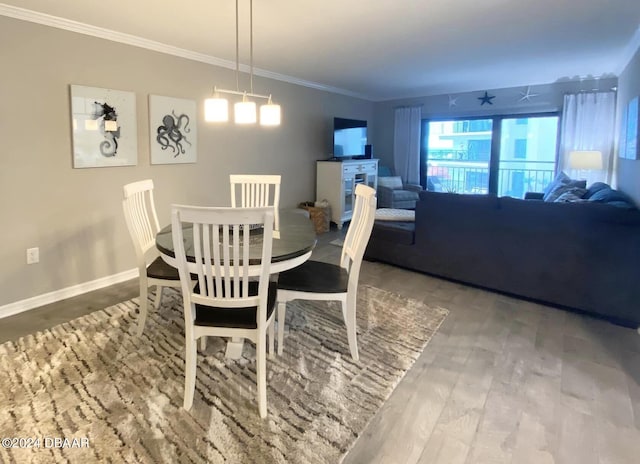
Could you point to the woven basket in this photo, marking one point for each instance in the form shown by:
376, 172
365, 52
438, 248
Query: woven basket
320, 216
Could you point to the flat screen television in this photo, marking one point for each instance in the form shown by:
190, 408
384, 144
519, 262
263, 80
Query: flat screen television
349, 138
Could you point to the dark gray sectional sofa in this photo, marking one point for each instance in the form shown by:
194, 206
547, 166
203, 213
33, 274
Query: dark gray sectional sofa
577, 255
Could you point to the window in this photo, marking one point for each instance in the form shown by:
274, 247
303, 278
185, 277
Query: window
468, 156
458, 155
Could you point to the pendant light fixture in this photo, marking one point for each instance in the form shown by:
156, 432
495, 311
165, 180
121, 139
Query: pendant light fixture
216, 108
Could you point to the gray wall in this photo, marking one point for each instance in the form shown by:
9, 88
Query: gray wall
628, 88
550, 98
75, 215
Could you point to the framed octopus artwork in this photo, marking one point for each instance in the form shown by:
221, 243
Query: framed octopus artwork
173, 130
104, 126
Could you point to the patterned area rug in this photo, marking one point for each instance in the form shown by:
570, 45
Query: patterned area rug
90, 391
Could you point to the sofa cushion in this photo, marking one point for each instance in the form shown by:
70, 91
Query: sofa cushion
392, 182
394, 232
404, 195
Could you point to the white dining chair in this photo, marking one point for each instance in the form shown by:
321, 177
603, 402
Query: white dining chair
316, 280
142, 222
251, 190
226, 301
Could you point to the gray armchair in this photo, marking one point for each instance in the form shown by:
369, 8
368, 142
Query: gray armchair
393, 193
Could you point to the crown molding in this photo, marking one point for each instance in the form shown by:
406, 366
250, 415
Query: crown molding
135, 41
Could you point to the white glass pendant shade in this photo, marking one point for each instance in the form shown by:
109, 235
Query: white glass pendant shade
110, 126
91, 124
245, 112
216, 109
270, 114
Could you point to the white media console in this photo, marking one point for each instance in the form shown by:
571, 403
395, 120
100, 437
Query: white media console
336, 182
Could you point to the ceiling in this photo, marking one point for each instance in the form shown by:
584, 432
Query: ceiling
386, 49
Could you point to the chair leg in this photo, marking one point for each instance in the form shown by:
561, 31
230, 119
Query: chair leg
349, 308
271, 334
261, 374
158, 300
189, 371
203, 343
282, 313
143, 305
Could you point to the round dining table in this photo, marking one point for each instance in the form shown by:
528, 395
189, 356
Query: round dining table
292, 245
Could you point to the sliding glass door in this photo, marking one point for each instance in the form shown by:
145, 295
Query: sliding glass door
527, 154
503, 155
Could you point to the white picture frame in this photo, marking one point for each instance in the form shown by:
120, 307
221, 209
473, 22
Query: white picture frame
104, 126
173, 130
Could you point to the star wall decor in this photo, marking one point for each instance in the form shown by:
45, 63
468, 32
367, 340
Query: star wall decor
486, 99
527, 96
453, 101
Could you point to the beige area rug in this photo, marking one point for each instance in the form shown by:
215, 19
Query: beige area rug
337, 242
117, 398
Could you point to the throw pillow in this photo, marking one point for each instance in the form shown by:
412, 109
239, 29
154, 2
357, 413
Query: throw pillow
562, 180
566, 188
614, 198
569, 197
594, 188
393, 182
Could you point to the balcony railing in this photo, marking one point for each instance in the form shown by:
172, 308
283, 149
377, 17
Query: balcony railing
515, 177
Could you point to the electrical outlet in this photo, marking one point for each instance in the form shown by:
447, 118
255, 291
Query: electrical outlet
33, 255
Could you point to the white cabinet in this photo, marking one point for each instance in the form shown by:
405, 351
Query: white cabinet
336, 182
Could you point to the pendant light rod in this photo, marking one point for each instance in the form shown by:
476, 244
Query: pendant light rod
237, 51
239, 92
250, 45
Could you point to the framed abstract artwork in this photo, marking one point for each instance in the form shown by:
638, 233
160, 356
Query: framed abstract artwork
632, 127
173, 130
622, 140
105, 131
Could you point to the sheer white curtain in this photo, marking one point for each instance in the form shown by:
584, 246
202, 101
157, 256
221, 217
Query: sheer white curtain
588, 123
406, 143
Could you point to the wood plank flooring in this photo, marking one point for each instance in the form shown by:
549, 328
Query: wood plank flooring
502, 381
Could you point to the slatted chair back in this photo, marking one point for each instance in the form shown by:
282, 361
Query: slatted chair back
224, 264
249, 190
141, 218
355, 242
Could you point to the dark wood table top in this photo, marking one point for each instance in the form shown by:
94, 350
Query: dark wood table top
297, 238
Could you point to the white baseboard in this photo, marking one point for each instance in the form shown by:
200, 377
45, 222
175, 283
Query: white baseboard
64, 293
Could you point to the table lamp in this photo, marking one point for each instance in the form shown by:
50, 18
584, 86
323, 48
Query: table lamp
585, 160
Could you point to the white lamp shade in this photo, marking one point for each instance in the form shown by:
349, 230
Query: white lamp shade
91, 124
585, 159
216, 110
270, 115
245, 112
